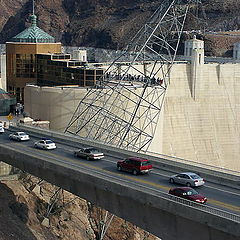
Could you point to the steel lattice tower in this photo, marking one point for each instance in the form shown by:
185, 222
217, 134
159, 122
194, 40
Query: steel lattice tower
126, 114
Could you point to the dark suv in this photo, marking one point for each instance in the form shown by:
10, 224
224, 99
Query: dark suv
135, 165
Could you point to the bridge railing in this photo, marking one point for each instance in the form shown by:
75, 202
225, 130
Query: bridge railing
206, 208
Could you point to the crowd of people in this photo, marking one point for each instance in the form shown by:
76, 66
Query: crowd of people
135, 78
19, 109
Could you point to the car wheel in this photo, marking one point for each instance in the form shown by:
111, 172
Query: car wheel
119, 168
35, 145
188, 184
134, 172
171, 180
88, 158
75, 154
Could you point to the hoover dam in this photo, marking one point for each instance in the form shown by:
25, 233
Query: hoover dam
199, 120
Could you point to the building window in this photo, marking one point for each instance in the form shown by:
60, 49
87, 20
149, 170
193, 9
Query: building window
25, 66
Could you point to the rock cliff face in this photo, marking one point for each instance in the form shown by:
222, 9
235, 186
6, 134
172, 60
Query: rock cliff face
24, 206
104, 23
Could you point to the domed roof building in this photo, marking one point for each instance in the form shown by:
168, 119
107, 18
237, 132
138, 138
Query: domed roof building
33, 34
21, 54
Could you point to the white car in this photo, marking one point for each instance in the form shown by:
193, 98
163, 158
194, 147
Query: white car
1, 129
19, 136
187, 178
45, 144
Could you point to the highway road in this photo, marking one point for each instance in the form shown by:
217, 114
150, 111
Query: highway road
220, 197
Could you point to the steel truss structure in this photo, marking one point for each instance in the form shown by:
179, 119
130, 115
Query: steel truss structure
104, 224
123, 109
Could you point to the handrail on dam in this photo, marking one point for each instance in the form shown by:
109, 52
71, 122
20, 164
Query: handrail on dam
186, 161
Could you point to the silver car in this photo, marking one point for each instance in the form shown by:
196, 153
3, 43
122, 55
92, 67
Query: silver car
45, 144
187, 178
1, 129
89, 153
19, 136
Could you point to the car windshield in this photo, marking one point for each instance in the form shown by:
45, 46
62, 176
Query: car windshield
49, 141
191, 192
94, 151
145, 163
22, 134
194, 176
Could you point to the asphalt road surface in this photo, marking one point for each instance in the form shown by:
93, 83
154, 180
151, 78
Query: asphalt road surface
220, 197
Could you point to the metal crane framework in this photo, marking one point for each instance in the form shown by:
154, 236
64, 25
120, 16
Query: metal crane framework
123, 109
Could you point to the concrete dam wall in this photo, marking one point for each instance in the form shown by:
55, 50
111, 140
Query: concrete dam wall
204, 128
199, 120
